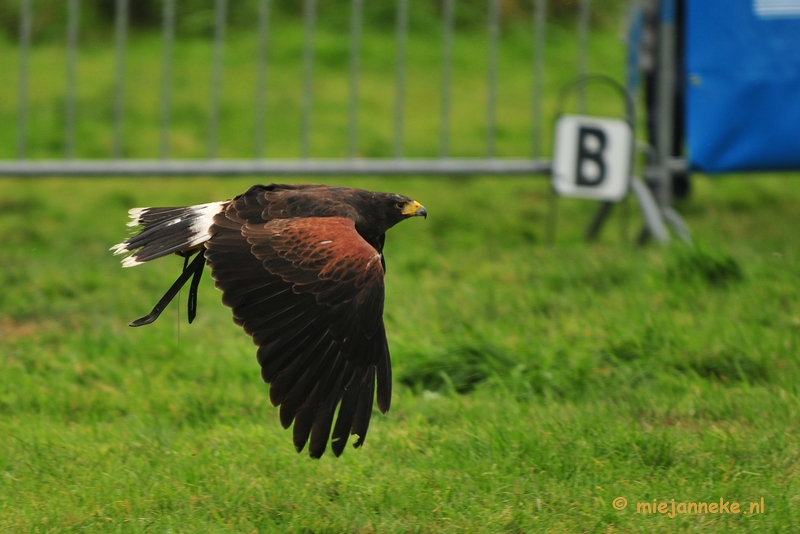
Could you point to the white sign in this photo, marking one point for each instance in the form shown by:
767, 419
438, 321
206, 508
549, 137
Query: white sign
592, 157
777, 8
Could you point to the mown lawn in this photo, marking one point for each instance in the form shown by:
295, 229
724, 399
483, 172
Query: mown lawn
535, 382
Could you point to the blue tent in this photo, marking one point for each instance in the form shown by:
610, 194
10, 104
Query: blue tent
743, 84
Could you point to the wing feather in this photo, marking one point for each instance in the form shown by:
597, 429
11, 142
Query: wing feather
309, 290
346, 415
323, 421
364, 408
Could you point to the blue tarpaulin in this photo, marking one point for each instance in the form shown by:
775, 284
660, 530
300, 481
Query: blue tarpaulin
743, 84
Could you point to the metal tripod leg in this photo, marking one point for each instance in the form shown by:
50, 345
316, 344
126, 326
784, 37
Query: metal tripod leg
653, 218
600, 216
674, 219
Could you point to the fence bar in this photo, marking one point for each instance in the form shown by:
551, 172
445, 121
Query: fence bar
261, 78
491, 82
166, 77
72, 56
22, 92
665, 103
398, 165
583, 43
539, 24
216, 76
355, 49
309, 16
172, 167
447, 60
634, 38
121, 29
400, 76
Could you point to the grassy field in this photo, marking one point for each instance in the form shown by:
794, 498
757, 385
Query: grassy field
535, 383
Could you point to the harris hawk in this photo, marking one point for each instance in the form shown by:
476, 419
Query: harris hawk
302, 268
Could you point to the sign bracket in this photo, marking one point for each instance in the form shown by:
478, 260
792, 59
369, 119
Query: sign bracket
593, 147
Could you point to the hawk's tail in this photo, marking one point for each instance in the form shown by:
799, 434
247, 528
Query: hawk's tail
167, 230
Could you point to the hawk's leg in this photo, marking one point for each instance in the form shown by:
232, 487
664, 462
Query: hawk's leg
194, 269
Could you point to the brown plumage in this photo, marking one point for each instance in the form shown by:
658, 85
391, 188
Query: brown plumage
302, 268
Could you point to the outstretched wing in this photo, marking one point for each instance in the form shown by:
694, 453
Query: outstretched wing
310, 292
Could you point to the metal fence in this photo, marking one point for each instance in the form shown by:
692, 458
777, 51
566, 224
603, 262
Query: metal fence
305, 164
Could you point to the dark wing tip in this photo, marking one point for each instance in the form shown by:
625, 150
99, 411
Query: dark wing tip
310, 292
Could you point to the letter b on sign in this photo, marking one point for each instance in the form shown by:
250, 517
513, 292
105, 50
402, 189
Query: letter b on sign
590, 169
592, 157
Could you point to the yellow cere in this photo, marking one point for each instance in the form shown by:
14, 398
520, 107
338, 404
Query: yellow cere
411, 207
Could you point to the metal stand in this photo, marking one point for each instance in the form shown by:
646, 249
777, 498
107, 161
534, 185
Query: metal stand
655, 209
661, 164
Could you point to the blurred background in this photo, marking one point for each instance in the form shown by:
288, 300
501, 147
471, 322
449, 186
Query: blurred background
264, 66
538, 375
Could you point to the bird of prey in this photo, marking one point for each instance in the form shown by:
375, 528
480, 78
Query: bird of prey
302, 268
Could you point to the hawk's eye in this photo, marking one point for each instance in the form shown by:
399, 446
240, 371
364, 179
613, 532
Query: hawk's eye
400, 205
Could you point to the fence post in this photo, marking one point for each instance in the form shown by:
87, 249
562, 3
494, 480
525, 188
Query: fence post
539, 22
73, 14
355, 51
447, 60
491, 78
22, 92
309, 16
216, 75
165, 96
400, 76
261, 78
583, 44
664, 100
121, 27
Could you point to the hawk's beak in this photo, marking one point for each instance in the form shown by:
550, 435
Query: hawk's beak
414, 209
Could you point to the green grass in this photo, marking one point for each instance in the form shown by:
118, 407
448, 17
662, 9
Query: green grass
534, 382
